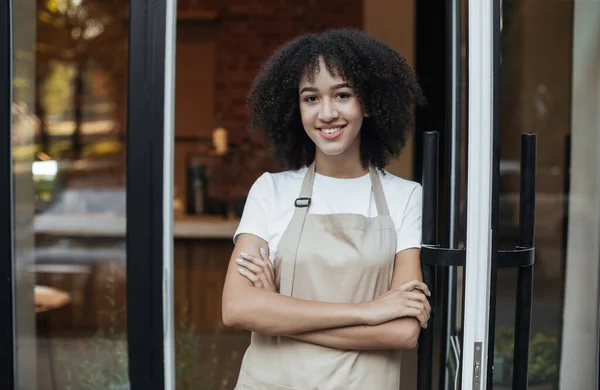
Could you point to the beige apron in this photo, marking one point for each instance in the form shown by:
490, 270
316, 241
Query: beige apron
329, 258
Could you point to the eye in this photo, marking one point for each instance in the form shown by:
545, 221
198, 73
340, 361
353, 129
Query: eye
310, 99
344, 95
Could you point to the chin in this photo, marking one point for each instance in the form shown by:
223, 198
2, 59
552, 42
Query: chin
331, 150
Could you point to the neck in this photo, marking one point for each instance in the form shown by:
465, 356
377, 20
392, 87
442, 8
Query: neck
341, 166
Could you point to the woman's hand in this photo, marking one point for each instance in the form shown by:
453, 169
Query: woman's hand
258, 270
407, 300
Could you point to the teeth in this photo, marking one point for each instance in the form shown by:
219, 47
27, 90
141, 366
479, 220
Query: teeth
331, 131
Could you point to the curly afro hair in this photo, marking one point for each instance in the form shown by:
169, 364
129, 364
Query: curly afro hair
384, 83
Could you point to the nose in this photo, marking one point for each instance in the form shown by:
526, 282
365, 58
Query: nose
328, 112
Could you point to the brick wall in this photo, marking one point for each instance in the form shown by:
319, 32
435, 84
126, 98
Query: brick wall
250, 31
246, 33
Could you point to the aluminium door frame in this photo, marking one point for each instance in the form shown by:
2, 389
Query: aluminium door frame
482, 193
150, 135
8, 368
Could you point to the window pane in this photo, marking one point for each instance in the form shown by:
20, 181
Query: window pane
550, 87
69, 152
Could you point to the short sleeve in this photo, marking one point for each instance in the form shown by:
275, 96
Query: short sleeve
255, 218
409, 232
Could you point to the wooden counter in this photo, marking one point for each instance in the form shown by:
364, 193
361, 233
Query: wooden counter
200, 269
106, 225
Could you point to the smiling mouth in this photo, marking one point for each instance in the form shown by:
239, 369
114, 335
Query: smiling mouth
331, 130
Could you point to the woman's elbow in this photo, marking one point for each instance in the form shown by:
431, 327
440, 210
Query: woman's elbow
228, 315
413, 341
411, 335
231, 313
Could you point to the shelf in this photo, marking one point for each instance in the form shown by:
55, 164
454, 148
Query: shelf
198, 16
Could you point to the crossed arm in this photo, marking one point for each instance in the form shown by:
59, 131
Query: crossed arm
392, 321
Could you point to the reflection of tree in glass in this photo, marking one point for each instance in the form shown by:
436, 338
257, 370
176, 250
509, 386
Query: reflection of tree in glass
81, 61
56, 92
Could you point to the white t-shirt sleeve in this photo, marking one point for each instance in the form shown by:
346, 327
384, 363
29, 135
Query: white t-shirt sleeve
409, 231
255, 218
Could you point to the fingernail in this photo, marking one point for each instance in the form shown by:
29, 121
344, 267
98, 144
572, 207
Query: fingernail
426, 325
239, 261
428, 293
241, 270
243, 254
262, 251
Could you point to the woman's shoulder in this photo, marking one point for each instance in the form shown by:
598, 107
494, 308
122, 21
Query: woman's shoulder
282, 177
279, 182
400, 193
391, 182
404, 198
287, 176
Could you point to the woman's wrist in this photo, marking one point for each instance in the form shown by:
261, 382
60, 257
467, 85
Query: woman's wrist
359, 313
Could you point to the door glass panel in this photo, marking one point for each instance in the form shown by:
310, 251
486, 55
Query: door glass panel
69, 151
24, 126
542, 54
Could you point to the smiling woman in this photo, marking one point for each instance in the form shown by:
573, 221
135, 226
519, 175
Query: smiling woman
326, 271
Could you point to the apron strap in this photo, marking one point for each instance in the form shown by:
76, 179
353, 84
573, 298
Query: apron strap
382, 207
302, 203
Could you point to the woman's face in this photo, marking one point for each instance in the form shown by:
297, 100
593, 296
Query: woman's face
331, 113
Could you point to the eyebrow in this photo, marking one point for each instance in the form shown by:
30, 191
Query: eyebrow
337, 86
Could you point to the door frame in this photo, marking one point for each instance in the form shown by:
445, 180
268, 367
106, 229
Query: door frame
8, 366
150, 133
482, 194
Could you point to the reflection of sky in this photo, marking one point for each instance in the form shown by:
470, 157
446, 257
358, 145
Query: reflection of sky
44, 169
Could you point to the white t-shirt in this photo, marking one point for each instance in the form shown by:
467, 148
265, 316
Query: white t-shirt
270, 204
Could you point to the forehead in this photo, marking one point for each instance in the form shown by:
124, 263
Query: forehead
322, 71
320, 74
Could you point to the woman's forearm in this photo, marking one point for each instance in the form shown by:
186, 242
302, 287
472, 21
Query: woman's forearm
402, 333
262, 310
267, 312
273, 314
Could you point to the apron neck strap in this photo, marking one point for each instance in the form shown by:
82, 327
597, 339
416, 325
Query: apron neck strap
294, 232
382, 207
307, 184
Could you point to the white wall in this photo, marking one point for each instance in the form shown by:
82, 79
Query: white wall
579, 364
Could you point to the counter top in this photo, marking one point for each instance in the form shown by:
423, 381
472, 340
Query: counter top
109, 225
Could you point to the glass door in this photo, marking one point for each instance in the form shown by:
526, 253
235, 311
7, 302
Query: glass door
544, 63
550, 86
86, 124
